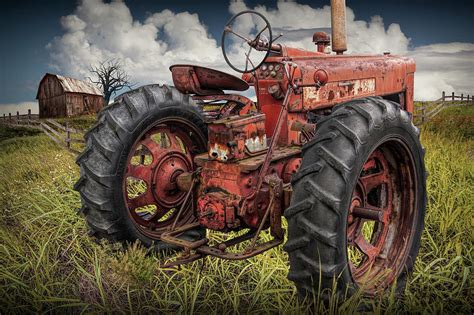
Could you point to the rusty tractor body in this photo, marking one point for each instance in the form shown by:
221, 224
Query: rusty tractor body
265, 158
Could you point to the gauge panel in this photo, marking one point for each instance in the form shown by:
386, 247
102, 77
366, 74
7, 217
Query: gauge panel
270, 71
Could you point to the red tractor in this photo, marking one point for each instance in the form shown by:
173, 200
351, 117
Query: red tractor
329, 144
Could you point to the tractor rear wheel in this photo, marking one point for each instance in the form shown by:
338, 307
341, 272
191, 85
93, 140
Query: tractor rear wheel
358, 204
133, 155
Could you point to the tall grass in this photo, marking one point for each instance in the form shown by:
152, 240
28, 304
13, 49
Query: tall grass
48, 263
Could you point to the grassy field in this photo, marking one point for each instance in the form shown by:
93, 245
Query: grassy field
48, 263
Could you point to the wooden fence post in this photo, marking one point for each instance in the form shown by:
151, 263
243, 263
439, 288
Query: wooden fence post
29, 116
444, 95
4, 117
17, 117
9, 118
468, 97
452, 95
68, 136
462, 97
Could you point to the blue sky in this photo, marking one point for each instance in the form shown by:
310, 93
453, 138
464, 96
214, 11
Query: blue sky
439, 32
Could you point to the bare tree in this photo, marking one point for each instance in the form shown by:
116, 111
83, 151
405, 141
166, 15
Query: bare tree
110, 77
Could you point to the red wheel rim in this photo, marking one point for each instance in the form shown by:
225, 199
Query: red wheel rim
162, 152
380, 223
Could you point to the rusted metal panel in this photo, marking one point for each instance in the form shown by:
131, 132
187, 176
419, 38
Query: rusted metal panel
326, 80
338, 91
391, 75
409, 104
204, 81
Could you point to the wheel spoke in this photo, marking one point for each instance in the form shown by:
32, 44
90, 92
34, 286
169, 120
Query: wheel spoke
142, 200
247, 58
365, 247
260, 33
373, 180
154, 148
141, 172
160, 212
370, 164
227, 29
174, 142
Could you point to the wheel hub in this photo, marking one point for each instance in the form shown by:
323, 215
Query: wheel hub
157, 159
166, 191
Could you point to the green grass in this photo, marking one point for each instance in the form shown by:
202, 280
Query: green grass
9, 133
458, 119
81, 123
48, 263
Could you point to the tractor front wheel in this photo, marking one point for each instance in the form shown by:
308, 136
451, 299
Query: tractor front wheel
134, 154
358, 206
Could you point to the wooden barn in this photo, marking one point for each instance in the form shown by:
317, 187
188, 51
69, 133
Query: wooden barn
60, 96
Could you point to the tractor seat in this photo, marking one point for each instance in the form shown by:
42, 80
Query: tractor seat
189, 79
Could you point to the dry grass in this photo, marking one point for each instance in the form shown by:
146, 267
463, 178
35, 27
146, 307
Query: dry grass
49, 264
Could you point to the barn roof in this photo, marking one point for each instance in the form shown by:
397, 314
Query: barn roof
72, 85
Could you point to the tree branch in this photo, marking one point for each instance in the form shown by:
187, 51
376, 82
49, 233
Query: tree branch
110, 77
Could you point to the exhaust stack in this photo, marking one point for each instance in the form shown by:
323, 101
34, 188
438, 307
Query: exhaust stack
338, 26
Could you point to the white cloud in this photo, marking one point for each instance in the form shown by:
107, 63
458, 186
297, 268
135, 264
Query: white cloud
97, 31
443, 67
362, 36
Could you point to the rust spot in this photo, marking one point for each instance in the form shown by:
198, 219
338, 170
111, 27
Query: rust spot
350, 89
331, 95
204, 81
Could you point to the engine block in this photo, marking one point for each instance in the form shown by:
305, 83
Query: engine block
225, 186
237, 137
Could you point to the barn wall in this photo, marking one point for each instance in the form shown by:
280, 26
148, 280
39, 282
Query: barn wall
50, 87
41, 107
75, 103
51, 98
52, 107
96, 103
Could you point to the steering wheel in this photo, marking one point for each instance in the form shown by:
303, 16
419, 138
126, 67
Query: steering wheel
259, 42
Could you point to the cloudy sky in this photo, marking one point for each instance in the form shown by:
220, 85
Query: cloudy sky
66, 37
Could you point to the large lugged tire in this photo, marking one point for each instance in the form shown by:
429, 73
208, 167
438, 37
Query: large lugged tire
358, 204
132, 123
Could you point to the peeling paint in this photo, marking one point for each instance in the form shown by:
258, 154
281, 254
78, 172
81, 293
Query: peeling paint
336, 91
256, 144
218, 152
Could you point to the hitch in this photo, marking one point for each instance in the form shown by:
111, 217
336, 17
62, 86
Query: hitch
194, 250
